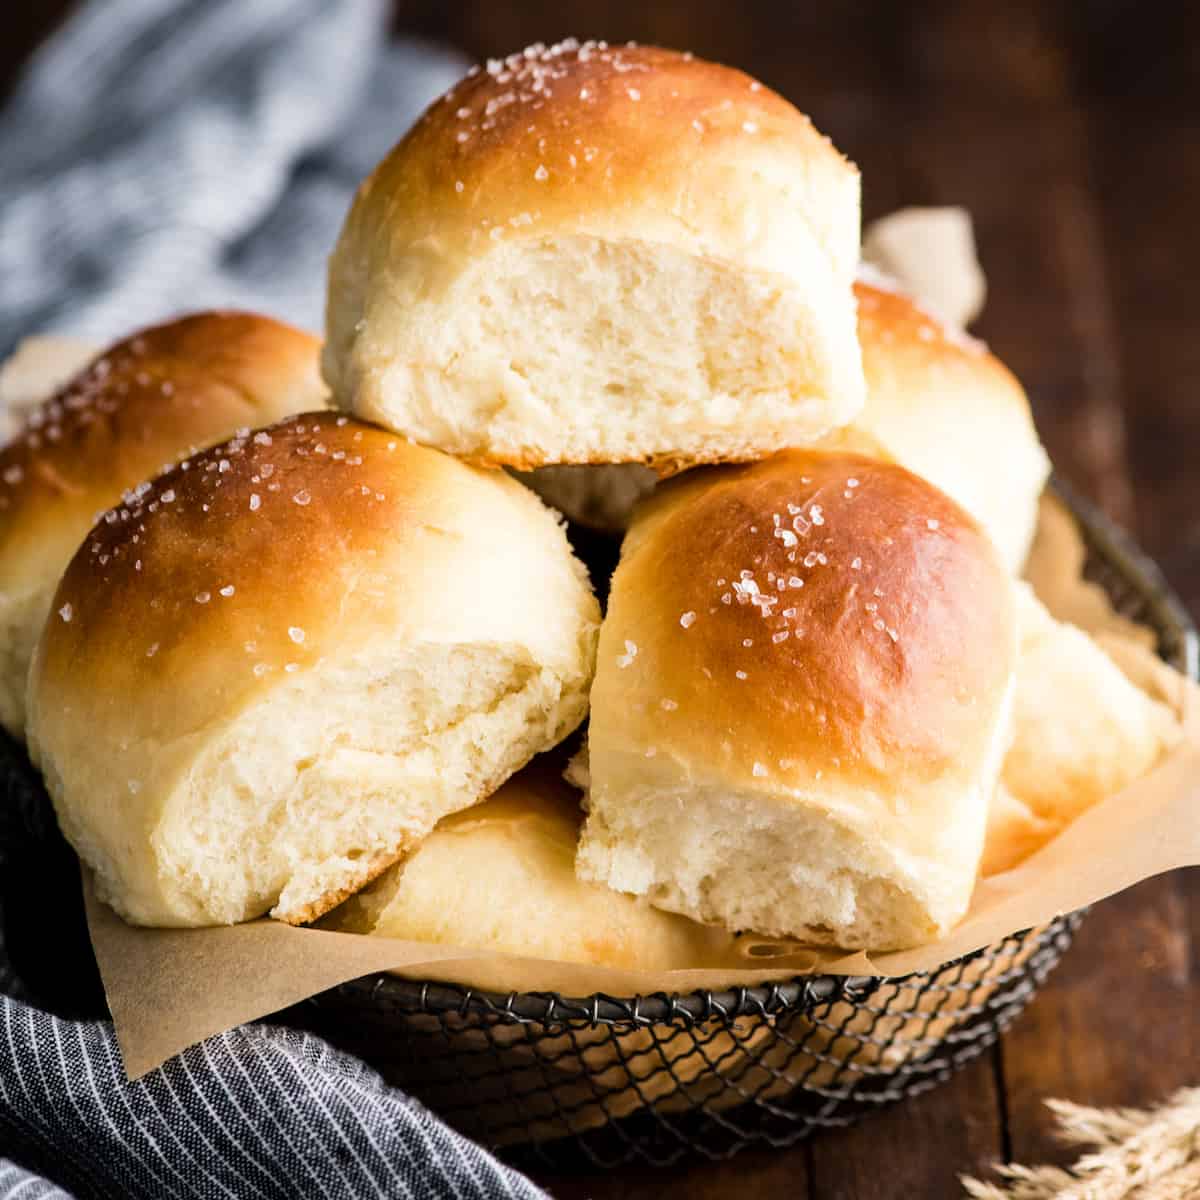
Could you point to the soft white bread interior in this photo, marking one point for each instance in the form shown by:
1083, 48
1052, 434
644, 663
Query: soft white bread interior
601, 254
269, 674
148, 401
1081, 732
937, 403
801, 702
501, 876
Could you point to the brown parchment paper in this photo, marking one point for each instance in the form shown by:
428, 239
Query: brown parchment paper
170, 988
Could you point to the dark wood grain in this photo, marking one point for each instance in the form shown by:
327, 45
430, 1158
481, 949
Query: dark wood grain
918, 1148
753, 1173
992, 123
1117, 1024
1147, 180
1069, 132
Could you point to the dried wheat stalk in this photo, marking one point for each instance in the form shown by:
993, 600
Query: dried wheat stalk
1135, 1155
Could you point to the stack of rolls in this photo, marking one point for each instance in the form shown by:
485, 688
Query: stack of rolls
298, 671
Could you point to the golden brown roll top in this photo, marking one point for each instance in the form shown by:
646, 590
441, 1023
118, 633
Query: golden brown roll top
596, 131
838, 607
273, 669
592, 253
801, 701
146, 402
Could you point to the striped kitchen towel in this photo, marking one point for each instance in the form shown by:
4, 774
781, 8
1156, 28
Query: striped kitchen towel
260, 1111
161, 155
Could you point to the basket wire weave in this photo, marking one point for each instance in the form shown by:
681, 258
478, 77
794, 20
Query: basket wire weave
605, 1081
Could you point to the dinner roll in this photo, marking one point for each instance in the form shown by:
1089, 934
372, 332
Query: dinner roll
270, 673
937, 403
601, 254
1082, 731
148, 400
501, 876
801, 702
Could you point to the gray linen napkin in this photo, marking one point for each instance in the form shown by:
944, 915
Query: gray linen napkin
162, 155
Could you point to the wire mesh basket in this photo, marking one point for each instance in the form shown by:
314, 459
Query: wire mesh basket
604, 1081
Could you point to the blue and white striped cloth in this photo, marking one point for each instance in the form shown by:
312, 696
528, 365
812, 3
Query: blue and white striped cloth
257, 1112
168, 154
161, 155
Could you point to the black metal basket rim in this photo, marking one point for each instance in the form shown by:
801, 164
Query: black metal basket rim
655, 1008
1181, 648
800, 993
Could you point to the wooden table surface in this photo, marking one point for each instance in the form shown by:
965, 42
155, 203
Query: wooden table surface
1069, 130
